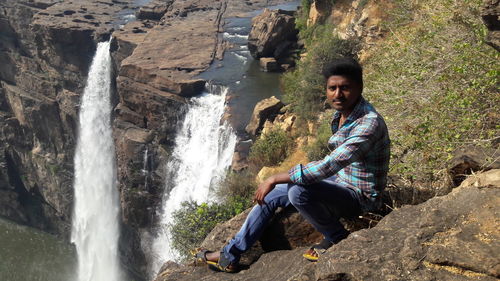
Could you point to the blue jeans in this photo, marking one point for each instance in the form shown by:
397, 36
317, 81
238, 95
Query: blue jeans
321, 204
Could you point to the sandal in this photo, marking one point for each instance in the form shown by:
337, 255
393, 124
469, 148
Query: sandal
200, 255
317, 249
222, 264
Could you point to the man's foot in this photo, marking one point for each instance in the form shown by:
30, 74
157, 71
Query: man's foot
313, 253
212, 256
214, 261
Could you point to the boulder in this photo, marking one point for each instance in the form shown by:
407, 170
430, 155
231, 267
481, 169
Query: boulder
284, 121
318, 11
269, 65
265, 109
490, 13
154, 10
287, 230
472, 159
240, 156
269, 30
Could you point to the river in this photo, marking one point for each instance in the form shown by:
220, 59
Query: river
30, 254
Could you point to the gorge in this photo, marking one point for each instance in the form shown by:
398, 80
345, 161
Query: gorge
429, 70
48, 49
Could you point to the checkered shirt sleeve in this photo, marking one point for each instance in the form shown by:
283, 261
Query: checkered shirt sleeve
359, 141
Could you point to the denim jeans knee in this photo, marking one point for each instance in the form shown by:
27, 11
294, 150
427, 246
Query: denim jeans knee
297, 195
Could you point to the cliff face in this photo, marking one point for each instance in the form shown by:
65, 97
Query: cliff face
158, 58
47, 47
46, 50
45, 58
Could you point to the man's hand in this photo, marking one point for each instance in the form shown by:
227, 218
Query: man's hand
266, 186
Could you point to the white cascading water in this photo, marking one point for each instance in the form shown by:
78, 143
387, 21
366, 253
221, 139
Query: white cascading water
95, 230
203, 151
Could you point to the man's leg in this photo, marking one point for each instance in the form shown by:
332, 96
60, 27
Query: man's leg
255, 223
322, 204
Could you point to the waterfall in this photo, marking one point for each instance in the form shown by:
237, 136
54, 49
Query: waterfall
95, 229
203, 151
145, 170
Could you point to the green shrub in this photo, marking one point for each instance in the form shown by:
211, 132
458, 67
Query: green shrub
303, 15
304, 87
319, 148
193, 222
237, 185
271, 149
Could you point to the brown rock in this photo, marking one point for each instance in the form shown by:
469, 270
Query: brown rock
269, 30
488, 178
318, 11
283, 121
287, 230
264, 110
472, 159
154, 10
269, 65
79, 24
490, 13
240, 156
171, 55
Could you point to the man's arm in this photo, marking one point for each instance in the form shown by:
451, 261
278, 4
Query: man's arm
266, 186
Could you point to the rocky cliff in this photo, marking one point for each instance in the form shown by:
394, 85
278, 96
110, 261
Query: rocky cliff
46, 49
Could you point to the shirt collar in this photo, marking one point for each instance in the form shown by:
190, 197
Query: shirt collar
356, 112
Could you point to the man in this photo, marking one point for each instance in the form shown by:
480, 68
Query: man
344, 184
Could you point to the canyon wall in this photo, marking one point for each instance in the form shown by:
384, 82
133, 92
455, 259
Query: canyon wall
46, 49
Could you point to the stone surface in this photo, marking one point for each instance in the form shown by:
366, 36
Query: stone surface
154, 10
359, 20
240, 156
269, 65
288, 230
472, 159
266, 109
452, 237
318, 11
283, 121
490, 13
269, 30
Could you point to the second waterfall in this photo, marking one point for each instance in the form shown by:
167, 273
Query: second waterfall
203, 151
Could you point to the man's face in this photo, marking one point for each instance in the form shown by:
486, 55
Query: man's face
342, 93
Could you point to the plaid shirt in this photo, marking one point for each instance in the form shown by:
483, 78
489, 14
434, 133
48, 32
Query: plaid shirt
360, 156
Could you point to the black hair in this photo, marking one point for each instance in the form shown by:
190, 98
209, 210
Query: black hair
347, 67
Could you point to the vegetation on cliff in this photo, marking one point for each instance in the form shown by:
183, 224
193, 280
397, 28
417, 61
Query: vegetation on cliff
436, 82
194, 221
432, 77
272, 148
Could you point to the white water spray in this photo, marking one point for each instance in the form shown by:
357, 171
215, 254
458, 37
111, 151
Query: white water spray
145, 171
203, 151
95, 220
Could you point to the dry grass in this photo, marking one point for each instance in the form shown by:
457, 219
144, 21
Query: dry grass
436, 82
